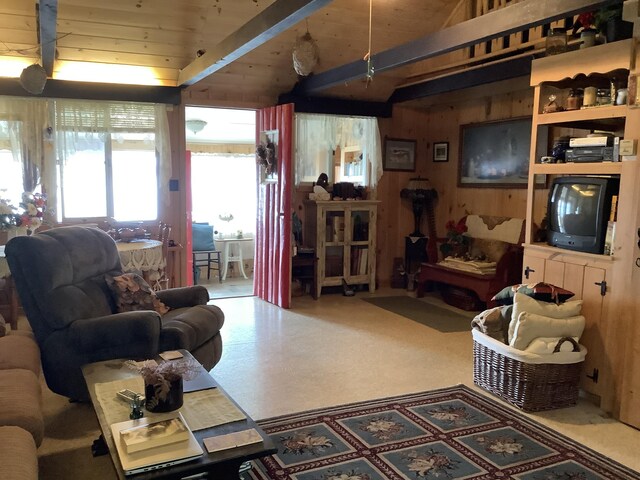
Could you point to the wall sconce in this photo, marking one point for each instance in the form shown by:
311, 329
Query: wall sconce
195, 125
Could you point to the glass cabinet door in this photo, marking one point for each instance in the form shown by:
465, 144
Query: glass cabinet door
359, 248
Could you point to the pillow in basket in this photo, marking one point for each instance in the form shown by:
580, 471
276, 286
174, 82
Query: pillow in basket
546, 345
531, 326
540, 291
524, 303
132, 293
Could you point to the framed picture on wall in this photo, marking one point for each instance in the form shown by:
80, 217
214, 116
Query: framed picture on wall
496, 154
399, 155
441, 152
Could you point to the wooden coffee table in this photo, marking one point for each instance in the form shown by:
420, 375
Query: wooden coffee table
224, 464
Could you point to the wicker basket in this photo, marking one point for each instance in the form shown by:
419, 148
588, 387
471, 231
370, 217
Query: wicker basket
533, 387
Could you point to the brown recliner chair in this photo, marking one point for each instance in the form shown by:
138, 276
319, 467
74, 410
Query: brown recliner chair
60, 278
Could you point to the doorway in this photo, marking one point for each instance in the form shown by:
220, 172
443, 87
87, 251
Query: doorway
223, 190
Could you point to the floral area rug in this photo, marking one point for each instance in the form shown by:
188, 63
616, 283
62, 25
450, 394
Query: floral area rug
452, 433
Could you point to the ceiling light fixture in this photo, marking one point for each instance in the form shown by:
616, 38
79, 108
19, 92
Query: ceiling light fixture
195, 125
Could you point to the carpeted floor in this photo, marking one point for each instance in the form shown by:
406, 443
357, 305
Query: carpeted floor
423, 312
451, 433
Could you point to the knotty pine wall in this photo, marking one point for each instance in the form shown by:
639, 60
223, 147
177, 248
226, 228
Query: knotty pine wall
441, 123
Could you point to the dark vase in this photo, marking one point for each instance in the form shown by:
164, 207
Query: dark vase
155, 402
618, 29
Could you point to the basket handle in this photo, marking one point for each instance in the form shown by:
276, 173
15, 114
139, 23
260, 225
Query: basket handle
576, 347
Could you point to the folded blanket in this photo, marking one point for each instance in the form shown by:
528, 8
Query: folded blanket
482, 268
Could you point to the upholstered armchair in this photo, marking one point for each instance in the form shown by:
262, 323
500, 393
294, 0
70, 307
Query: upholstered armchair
61, 278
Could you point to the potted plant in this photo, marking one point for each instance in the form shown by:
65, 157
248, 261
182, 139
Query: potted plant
610, 23
163, 381
457, 243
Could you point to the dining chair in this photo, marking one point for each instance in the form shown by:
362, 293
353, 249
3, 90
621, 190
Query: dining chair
204, 251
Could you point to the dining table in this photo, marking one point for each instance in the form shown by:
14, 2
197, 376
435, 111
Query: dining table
143, 255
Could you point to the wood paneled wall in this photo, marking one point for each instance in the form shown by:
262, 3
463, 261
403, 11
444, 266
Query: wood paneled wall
441, 123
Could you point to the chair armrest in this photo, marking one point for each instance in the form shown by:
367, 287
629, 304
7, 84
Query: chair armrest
121, 335
184, 296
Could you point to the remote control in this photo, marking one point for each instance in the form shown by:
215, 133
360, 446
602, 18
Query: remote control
129, 395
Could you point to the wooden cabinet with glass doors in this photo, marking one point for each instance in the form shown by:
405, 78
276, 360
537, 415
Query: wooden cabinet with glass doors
343, 234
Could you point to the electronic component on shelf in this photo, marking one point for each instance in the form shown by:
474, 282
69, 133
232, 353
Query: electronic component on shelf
595, 141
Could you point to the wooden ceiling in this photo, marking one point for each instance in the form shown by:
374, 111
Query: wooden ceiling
164, 36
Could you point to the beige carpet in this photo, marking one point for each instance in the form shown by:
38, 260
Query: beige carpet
70, 429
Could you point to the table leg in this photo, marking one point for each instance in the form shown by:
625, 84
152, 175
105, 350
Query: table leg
226, 261
241, 261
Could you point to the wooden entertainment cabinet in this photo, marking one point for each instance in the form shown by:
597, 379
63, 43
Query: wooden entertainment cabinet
602, 281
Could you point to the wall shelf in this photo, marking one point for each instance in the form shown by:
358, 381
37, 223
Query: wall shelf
572, 168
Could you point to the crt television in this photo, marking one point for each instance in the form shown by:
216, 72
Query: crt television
578, 212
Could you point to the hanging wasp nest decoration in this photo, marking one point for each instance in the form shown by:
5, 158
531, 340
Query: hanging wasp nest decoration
305, 55
266, 156
33, 78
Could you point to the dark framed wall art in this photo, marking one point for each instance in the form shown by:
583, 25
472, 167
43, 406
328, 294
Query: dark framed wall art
441, 152
496, 154
399, 155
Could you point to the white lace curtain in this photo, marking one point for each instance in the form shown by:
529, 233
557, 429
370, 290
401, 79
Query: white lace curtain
78, 122
27, 127
24, 131
317, 136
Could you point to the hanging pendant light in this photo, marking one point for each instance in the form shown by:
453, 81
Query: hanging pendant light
305, 54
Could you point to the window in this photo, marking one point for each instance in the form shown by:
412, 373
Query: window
347, 149
110, 176
224, 185
108, 160
11, 185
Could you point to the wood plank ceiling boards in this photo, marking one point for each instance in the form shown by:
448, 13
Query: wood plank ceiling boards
486, 27
268, 24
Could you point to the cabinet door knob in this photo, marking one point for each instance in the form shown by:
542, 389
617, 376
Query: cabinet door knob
528, 270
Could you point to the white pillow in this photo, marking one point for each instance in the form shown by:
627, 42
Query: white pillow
524, 303
531, 326
546, 345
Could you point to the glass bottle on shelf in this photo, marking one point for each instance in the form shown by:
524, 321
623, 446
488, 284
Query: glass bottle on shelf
574, 100
556, 41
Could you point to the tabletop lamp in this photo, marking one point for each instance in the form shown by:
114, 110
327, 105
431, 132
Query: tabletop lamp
422, 195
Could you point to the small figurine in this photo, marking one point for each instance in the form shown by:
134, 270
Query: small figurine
552, 106
136, 408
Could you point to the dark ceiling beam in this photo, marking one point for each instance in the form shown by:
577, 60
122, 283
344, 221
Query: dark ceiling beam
495, 72
271, 22
47, 14
337, 106
514, 18
96, 91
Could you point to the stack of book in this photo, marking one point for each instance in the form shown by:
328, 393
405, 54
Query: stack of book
150, 444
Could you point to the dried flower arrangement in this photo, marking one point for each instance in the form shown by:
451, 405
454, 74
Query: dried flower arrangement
266, 156
162, 374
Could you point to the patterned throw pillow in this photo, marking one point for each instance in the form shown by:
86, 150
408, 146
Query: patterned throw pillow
132, 293
544, 292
